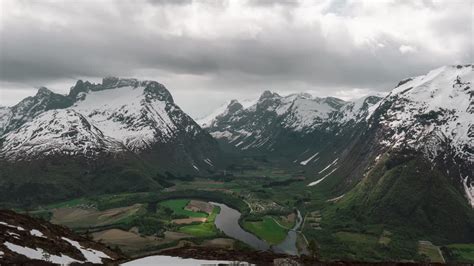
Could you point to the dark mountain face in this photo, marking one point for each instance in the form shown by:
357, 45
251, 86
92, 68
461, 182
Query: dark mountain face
129, 127
30, 107
420, 169
28, 241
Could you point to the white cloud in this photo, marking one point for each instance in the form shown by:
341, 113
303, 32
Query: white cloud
405, 49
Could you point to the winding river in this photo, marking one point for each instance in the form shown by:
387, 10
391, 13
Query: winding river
228, 222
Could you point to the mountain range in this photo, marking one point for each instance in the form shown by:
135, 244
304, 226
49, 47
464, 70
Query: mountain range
408, 154
122, 129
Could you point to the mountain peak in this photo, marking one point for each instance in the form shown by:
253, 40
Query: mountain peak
112, 82
234, 106
268, 94
43, 91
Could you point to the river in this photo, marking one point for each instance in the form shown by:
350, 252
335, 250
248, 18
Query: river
288, 246
228, 222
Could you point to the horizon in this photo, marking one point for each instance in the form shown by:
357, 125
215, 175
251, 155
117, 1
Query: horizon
358, 94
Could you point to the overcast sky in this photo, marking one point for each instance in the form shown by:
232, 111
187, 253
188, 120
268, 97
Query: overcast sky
206, 52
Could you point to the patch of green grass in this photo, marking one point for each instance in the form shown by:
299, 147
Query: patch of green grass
206, 229
284, 222
267, 229
178, 205
461, 252
385, 237
356, 237
431, 251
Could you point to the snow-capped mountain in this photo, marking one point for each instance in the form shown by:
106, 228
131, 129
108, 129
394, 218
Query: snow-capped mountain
433, 114
30, 107
120, 135
301, 114
138, 114
55, 132
5, 115
115, 117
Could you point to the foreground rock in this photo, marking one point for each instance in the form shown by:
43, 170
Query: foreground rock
30, 241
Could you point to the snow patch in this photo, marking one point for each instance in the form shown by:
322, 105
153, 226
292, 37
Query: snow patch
91, 255
168, 260
37, 233
321, 179
309, 159
39, 254
327, 167
469, 189
19, 228
209, 162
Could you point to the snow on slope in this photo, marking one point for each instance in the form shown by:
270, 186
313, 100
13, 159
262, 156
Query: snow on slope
40, 254
251, 126
431, 110
125, 115
115, 116
222, 110
62, 131
207, 120
305, 112
359, 109
5, 115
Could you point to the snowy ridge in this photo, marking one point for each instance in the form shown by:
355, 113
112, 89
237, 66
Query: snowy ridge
359, 109
252, 126
115, 116
5, 116
431, 110
57, 132
123, 114
249, 126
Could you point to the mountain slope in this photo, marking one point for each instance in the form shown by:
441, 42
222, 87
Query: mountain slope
139, 115
57, 132
28, 241
125, 130
418, 159
30, 107
314, 135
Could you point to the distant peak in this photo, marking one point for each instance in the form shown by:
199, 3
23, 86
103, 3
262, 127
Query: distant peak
234, 106
111, 82
43, 91
268, 94
232, 102
302, 95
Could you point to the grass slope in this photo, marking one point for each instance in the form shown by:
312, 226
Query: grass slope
266, 229
178, 205
405, 192
205, 229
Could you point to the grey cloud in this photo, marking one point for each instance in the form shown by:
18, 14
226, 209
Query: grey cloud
118, 44
265, 3
170, 2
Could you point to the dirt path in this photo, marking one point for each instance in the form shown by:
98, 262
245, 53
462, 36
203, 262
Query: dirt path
189, 220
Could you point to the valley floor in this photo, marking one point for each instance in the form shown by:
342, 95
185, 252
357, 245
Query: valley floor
181, 216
